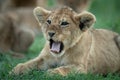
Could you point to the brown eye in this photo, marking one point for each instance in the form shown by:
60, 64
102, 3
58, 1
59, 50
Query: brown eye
64, 23
49, 21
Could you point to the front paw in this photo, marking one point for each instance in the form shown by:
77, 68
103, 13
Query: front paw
19, 69
60, 71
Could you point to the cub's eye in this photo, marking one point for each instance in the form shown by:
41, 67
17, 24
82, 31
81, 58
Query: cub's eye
49, 21
64, 23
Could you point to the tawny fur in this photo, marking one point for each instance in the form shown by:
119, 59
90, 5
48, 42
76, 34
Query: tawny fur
77, 5
117, 39
13, 4
85, 49
17, 30
18, 26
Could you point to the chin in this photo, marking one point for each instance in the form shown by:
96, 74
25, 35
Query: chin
57, 54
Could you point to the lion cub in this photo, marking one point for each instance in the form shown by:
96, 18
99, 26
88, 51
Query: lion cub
73, 45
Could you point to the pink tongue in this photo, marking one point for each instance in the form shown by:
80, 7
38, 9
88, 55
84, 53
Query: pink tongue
55, 47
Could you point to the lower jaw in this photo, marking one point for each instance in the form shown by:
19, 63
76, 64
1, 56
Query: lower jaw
57, 54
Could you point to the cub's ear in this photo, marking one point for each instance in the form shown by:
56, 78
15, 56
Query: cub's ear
85, 19
41, 14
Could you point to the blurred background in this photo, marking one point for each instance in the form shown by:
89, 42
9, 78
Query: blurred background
106, 11
16, 18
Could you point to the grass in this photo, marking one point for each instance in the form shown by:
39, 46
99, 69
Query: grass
107, 17
7, 63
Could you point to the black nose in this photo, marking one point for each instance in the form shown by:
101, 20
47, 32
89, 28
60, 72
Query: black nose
51, 34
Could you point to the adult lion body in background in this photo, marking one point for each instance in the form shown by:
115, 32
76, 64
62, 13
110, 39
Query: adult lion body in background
77, 5
17, 30
13, 4
73, 45
18, 26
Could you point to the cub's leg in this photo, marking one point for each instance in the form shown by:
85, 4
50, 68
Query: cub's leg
40, 62
64, 70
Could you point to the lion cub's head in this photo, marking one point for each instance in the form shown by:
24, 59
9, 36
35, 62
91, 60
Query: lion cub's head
63, 28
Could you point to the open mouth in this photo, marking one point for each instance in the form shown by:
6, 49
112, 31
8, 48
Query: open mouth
56, 47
